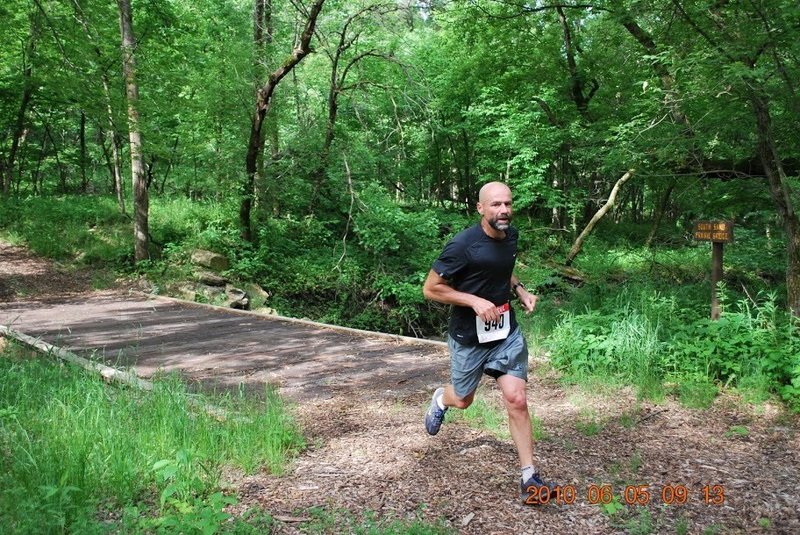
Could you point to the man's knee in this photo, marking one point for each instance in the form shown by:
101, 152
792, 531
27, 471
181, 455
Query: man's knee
462, 403
516, 399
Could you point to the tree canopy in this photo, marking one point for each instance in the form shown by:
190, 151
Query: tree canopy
418, 102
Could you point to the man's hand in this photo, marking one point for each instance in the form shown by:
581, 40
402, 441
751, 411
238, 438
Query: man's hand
437, 289
485, 310
527, 299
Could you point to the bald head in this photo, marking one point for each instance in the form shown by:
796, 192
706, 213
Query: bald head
493, 189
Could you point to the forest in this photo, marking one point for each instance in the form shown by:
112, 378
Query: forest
330, 148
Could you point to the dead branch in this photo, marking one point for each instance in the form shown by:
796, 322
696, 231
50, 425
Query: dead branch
576, 247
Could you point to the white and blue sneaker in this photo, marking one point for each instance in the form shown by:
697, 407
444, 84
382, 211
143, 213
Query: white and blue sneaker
435, 416
536, 491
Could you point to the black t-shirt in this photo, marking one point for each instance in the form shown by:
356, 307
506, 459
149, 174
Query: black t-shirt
477, 264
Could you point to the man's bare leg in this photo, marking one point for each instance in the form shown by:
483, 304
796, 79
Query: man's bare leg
533, 490
450, 399
515, 398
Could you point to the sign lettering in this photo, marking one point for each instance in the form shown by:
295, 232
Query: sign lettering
716, 231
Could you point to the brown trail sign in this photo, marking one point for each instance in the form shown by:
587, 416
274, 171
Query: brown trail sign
719, 233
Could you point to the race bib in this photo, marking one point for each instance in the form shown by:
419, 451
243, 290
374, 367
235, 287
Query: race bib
489, 331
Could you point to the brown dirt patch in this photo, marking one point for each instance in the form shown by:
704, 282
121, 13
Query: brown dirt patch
24, 275
369, 453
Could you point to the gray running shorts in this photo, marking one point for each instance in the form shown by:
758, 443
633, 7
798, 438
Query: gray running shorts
469, 363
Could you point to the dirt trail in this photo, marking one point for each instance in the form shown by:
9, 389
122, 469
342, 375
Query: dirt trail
360, 399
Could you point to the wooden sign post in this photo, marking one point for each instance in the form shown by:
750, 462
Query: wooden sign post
719, 233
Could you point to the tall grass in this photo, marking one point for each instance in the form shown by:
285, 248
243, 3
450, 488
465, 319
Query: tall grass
72, 448
641, 337
620, 341
62, 228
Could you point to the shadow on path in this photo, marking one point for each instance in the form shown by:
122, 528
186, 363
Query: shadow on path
222, 348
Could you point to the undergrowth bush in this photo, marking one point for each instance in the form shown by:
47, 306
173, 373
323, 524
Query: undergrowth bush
621, 341
194, 224
367, 274
88, 227
644, 338
751, 342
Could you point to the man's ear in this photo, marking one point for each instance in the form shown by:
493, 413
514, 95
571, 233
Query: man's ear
479, 207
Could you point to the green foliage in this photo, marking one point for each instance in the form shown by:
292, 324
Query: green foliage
367, 276
588, 424
682, 525
620, 341
643, 337
75, 447
641, 524
88, 228
737, 431
448, 97
485, 415
183, 509
178, 221
752, 340
612, 508
697, 394
384, 228
368, 523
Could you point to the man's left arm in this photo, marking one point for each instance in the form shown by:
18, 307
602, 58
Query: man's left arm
526, 299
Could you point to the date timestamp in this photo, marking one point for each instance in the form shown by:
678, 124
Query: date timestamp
641, 495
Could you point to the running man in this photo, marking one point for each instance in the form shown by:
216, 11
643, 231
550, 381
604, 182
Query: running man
474, 274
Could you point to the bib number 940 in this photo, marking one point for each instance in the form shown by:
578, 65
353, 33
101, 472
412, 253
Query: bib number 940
489, 331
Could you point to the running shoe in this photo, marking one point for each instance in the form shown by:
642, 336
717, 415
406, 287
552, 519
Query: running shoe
536, 491
435, 416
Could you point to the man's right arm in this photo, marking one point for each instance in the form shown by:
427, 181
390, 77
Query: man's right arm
437, 289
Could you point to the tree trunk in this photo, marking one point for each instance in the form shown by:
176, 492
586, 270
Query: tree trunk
263, 102
272, 127
62, 173
576, 247
671, 96
36, 173
116, 171
19, 132
116, 144
576, 83
659, 213
782, 197
336, 87
559, 168
467, 188
82, 157
141, 236
28, 87
330, 132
